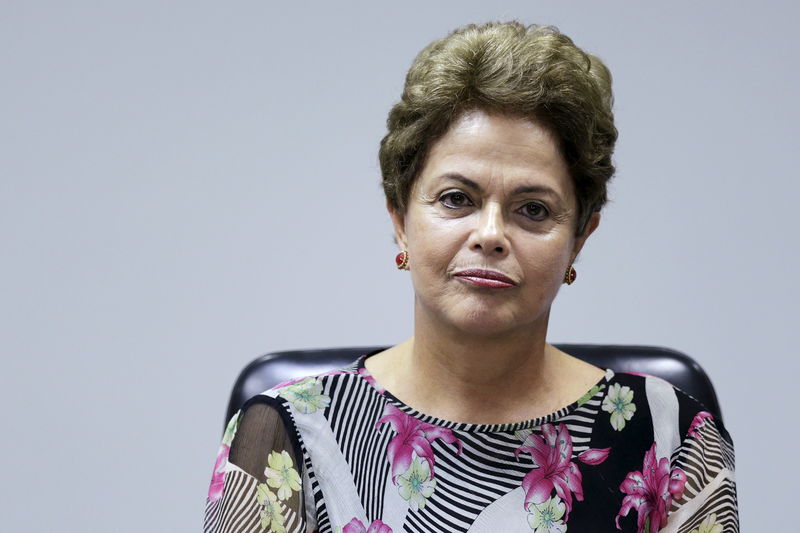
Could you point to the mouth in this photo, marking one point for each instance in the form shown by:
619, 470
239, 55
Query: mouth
485, 278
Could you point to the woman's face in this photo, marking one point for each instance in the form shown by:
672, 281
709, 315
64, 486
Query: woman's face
490, 226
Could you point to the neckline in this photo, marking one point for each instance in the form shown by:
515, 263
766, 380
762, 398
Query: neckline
508, 427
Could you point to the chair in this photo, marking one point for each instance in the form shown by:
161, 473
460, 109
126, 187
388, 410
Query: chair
671, 365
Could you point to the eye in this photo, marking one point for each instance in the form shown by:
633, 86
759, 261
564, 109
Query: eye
535, 211
455, 200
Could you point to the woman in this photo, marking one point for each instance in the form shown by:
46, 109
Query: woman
495, 168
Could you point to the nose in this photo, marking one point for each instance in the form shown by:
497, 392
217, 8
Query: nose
489, 237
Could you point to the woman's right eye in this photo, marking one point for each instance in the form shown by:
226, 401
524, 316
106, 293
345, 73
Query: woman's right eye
455, 200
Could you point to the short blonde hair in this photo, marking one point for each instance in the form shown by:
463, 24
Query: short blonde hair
533, 72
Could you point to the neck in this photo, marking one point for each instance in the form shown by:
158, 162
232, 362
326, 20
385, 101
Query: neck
477, 360
479, 378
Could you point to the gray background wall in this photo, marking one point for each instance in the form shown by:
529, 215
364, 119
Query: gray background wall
186, 185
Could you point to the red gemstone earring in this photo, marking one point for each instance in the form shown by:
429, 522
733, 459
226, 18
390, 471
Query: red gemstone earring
570, 275
402, 260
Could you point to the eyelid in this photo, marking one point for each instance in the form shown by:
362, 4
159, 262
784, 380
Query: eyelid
450, 192
546, 210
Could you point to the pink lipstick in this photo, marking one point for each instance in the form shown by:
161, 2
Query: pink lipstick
485, 278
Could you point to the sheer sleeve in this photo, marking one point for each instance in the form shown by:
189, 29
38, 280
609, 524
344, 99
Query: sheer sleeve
706, 474
257, 483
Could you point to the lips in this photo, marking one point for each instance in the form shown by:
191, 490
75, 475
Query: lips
485, 278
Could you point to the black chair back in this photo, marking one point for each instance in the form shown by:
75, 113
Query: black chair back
671, 365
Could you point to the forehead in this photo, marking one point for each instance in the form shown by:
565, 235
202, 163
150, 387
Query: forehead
493, 148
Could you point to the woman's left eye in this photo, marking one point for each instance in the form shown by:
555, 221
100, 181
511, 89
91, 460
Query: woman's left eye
534, 211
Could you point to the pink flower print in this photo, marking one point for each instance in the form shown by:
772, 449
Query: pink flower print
413, 436
594, 456
218, 477
552, 458
357, 526
697, 422
364, 373
651, 491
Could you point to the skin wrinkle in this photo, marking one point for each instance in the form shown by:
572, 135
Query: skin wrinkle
492, 232
479, 354
559, 214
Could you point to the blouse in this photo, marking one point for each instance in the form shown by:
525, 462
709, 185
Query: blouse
336, 453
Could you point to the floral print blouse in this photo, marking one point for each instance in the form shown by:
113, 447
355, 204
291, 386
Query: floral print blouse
336, 453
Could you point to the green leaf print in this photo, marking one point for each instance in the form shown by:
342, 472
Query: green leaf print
588, 396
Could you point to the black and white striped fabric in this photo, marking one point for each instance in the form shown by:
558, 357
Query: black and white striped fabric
634, 454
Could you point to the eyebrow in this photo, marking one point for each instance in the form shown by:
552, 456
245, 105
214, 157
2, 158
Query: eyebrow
522, 189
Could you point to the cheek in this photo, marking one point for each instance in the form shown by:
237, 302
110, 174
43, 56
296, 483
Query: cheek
430, 256
547, 261
428, 269
432, 248
434, 242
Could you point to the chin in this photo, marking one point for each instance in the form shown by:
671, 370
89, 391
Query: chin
488, 321
475, 314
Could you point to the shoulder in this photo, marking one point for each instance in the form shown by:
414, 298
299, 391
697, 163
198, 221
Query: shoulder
305, 394
665, 406
657, 428
272, 419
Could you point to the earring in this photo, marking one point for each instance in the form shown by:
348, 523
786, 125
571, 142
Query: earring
402, 260
570, 275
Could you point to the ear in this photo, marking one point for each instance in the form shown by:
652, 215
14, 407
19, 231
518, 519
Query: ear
591, 225
399, 223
